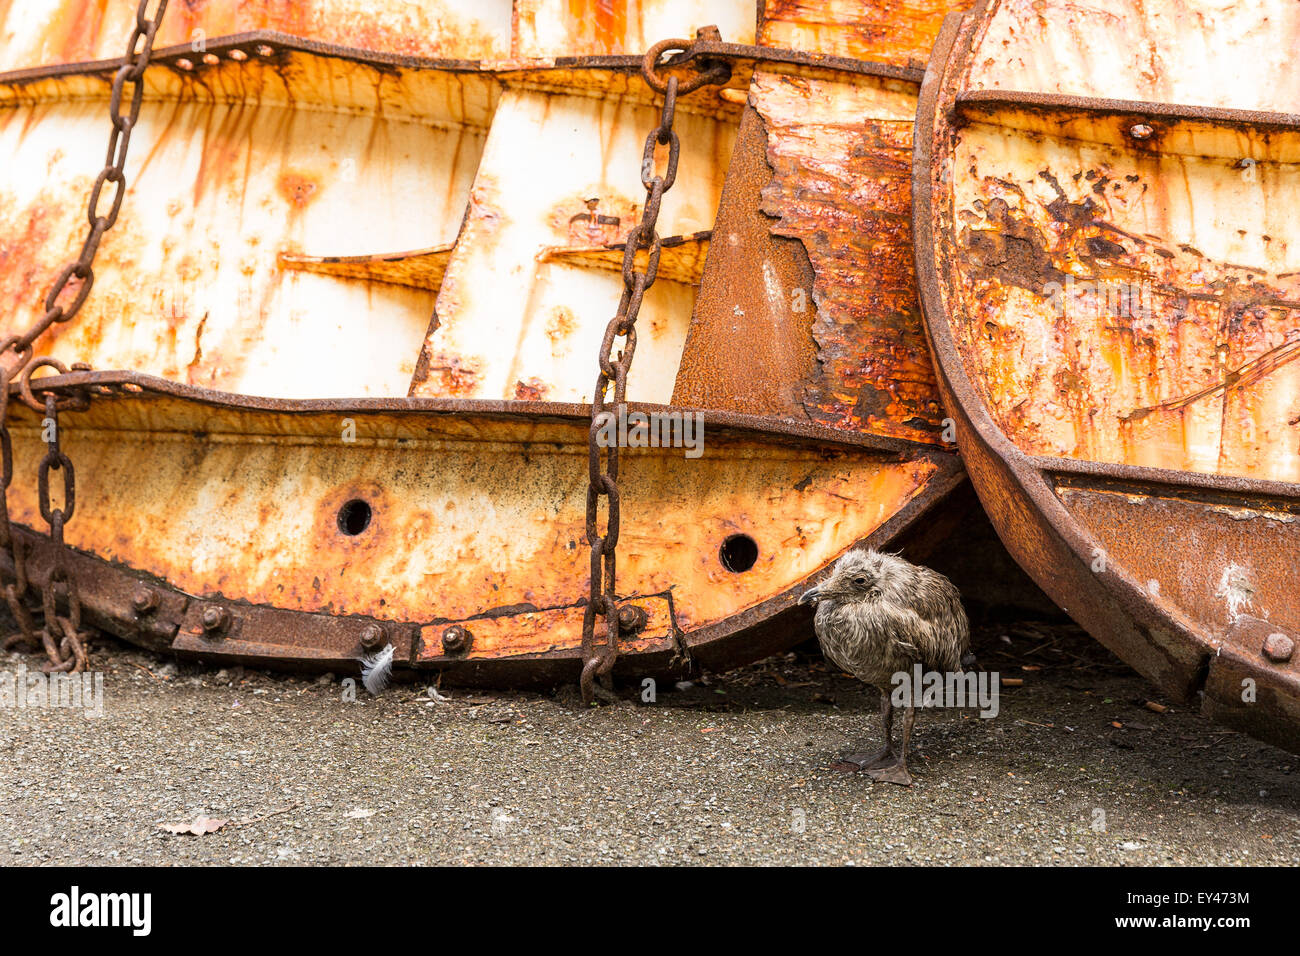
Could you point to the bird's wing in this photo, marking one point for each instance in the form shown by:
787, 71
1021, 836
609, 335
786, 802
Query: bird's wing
905, 625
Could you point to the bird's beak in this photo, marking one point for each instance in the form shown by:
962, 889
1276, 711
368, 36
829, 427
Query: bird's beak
810, 596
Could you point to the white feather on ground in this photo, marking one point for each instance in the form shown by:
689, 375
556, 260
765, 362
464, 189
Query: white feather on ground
377, 670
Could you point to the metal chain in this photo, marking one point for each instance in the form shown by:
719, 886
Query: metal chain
62, 636
600, 650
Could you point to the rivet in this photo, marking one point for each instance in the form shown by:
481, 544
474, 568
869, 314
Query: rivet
264, 50
372, 637
457, 639
1140, 131
211, 59
631, 619
214, 618
144, 599
239, 56
1279, 648
185, 63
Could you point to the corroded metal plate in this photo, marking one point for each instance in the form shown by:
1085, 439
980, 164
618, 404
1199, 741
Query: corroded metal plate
1108, 268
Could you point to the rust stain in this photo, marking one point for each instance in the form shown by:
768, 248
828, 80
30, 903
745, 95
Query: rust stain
451, 375
534, 390
77, 30
1096, 343
298, 189
841, 185
36, 238
900, 32
757, 288
603, 23
561, 324
593, 217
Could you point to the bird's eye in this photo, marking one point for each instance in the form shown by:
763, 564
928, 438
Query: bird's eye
860, 582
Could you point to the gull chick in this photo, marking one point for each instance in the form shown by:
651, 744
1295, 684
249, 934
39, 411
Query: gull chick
878, 615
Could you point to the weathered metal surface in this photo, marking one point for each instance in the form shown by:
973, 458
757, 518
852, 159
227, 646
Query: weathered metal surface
1109, 292
285, 170
899, 32
1175, 334
419, 268
474, 511
681, 259
190, 287
503, 317
841, 161
759, 293
547, 28
835, 177
71, 31
1156, 52
814, 266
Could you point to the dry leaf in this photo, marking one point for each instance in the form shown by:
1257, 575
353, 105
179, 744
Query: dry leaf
200, 826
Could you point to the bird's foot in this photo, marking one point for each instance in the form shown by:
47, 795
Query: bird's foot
881, 758
893, 773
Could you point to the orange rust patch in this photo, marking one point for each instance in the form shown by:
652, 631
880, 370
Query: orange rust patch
534, 390
841, 185
592, 218
297, 188
561, 324
451, 376
1089, 341
76, 30
883, 31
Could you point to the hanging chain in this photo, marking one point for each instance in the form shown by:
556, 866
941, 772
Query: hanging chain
600, 648
62, 637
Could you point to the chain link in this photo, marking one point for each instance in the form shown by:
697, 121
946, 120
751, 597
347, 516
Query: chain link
62, 637
600, 647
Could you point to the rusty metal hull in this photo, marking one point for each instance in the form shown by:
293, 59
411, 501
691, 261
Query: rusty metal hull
1108, 294
425, 209
474, 517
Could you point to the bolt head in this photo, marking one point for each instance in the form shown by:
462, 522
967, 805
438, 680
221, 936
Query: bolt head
372, 637
144, 599
631, 619
457, 639
213, 618
1279, 648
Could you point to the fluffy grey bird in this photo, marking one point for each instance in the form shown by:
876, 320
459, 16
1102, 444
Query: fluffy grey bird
878, 615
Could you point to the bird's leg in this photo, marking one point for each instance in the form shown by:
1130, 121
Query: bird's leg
897, 771
885, 755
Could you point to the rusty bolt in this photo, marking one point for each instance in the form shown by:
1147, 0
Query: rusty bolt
238, 55
631, 619
457, 639
1140, 131
1278, 647
144, 599
372, 637
185, 63
214, 619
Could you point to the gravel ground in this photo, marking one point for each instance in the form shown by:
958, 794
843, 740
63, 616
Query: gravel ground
736, 768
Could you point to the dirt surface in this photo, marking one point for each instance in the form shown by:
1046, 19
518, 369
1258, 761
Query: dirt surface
735, 768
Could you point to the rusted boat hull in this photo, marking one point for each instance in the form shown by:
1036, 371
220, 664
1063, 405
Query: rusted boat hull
424, 209
1108, 296
305, 523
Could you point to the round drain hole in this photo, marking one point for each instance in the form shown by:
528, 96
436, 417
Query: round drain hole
354, 517
738, 553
